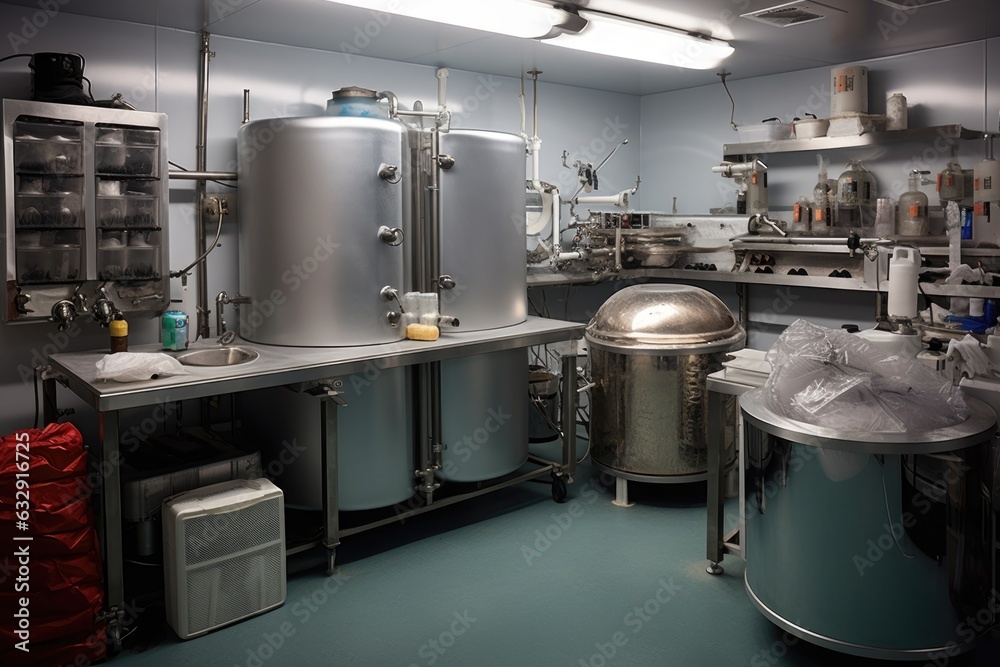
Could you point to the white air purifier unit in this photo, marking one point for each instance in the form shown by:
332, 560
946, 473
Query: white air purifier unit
223, 554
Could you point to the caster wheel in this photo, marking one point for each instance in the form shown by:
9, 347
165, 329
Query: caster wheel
559, 489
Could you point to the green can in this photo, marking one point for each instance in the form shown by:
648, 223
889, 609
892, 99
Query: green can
175, 330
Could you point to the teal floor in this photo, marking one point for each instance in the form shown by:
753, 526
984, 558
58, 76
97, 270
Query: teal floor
512, 578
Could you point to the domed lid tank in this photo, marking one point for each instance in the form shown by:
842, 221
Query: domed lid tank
671, 319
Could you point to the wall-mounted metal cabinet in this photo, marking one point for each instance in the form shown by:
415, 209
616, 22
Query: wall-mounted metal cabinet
85, 199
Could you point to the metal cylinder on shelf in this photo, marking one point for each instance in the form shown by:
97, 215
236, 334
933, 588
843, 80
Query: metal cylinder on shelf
652, 348
872, 544
484, 415
315, 195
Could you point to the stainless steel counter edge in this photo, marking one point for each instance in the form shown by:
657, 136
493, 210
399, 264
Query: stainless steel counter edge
279, 366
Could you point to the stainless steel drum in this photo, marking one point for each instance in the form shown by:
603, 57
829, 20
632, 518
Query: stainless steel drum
873, 544
375, 442
483, 228
320, 202
484, 415
652, 348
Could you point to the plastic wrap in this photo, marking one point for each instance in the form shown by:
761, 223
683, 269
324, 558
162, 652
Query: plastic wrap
837, 380
138, 366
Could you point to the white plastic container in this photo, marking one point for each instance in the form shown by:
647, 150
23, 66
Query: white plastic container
903, 269
895, 112
768, 130
849, 90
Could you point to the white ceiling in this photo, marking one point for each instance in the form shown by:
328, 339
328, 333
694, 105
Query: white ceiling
866, 30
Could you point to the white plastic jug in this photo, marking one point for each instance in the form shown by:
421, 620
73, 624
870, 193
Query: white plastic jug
903, 269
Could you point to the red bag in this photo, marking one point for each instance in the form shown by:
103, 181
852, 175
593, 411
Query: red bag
51, 585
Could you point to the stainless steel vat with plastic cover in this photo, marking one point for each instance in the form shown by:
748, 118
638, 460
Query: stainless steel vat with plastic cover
323, 229
872, 544
651, 349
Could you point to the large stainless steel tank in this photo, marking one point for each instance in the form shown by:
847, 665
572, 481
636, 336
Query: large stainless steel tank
652, 348
872, 544
314, 194
483, 228
484, 415
375, 443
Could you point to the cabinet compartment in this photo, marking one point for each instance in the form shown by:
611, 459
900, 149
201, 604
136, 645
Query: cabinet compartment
33, 156
54, 263
126, 160
129, 211
51, 210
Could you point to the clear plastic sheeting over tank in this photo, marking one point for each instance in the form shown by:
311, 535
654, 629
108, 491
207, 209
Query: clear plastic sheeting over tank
838, 380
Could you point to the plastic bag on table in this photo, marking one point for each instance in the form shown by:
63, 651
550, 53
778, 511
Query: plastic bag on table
834, 379
138, 366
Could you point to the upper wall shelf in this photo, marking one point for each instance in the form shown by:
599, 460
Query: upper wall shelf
922, 134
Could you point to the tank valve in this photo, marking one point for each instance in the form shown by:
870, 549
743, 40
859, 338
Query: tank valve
393, 318
389, 173
390, 235
389, 293
446, 282
446, 162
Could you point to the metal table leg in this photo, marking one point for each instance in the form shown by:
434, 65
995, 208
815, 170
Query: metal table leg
50, 404
331, 504
716, 484
111, 523
570, 403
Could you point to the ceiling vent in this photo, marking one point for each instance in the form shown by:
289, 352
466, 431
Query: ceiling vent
910, 5
793, 13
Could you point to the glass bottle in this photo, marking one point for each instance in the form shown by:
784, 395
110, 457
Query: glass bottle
821, 211
911, 212
856, 193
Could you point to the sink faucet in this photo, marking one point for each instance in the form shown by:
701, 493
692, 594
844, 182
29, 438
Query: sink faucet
220, 322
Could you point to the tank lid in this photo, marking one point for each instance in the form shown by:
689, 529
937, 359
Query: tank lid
353, 91
678, 318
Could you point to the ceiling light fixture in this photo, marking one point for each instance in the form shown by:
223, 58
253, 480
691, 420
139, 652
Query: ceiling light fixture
583, 30
620, 37
517, 18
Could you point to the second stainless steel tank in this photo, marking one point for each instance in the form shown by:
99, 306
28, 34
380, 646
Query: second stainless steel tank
652, 348
323, 215
483, 228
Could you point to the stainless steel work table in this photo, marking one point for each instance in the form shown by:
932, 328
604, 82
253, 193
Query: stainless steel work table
289, 366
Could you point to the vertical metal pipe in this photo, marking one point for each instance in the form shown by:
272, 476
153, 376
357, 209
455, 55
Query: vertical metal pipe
246, 105
743, 292
434, 201
203, 312
570, 400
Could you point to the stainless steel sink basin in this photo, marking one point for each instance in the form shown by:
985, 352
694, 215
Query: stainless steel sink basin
218, 356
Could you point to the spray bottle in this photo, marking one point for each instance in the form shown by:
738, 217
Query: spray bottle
821, 222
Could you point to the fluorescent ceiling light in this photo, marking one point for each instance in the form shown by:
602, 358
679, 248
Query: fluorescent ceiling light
625, 38
517, 18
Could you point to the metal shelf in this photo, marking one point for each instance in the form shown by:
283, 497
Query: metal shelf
948, 132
